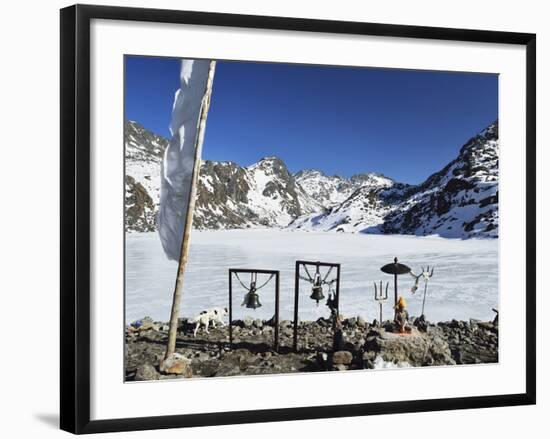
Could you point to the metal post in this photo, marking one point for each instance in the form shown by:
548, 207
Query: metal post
424, 299
276, 342
338, 290
230, 309
296, 290
395, 296
395, 288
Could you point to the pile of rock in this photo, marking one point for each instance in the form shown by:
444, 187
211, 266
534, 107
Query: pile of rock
359, 345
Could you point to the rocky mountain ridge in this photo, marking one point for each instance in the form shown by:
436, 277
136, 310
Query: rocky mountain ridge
459, 201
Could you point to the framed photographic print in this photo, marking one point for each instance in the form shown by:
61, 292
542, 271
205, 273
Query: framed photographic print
292, 209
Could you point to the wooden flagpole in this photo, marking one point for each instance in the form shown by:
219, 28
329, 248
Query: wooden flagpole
178, 289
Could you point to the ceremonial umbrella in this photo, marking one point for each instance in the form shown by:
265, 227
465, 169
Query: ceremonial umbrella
396, 269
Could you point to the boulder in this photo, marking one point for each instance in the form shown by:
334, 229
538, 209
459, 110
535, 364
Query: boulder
146, 372
177, 364
287, 332
324, 323
144, 324
420, 323
207, 368
339, 367
342, 357
368, 359
416, 348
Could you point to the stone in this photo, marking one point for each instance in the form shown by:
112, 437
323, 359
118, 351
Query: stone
228, 369
352, 321
248, 322
146, 372
486, 325
143, 325
420, 323
258, 323
348, 346
368, 359
322, 358
201, 356
416, 348
206, 368
340, 367
324, 323
361, 322
177, 364
342, 357
288, 332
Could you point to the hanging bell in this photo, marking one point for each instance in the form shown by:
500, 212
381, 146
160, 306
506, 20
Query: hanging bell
317, 293
252, 300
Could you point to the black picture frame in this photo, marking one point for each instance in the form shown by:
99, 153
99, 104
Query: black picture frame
75, 217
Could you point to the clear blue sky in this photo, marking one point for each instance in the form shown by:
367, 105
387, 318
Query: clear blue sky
405, 124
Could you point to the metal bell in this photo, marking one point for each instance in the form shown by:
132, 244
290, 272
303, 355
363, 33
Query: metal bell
252, 300
317, 293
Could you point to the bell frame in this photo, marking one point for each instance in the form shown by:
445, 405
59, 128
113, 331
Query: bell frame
233, 271
297, 292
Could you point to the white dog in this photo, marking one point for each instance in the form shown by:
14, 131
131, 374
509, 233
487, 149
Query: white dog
210, 316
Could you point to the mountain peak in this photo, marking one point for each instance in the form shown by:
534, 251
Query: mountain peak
270, 162
372, 179
309, 172
142, 144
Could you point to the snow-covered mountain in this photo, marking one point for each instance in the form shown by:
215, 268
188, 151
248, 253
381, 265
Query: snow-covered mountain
461, 200
264, 194
143, 153
331, 191
350, 205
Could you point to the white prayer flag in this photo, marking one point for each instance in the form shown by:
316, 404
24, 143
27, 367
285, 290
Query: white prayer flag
177, 170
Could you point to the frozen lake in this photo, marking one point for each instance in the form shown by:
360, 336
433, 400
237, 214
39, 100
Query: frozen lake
464, 285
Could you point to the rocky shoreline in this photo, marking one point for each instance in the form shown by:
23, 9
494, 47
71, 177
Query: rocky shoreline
357, 344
